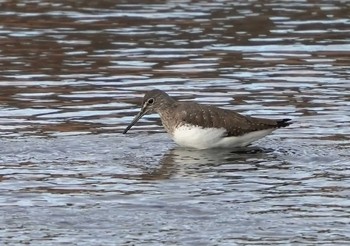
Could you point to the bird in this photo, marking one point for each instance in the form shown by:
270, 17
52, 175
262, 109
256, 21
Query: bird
200, 126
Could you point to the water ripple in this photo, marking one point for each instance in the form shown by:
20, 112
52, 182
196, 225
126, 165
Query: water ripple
73, 75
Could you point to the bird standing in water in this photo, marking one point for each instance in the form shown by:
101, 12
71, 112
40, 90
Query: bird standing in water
203, 126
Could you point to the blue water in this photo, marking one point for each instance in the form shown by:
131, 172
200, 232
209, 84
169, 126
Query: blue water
73, 75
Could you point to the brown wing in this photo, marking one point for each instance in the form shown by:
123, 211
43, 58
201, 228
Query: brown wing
235, 123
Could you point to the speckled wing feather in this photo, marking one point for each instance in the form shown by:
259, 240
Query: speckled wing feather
213, 117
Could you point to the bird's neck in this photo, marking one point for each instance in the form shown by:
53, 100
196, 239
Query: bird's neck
166, 114
166, 105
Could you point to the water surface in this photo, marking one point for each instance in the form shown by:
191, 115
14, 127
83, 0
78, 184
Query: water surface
73, 74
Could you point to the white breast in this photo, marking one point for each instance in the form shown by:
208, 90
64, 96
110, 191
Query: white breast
205, 138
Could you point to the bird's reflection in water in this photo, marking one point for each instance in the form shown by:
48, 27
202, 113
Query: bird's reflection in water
193, 161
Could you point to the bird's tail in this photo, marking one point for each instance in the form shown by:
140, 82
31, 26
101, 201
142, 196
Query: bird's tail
283, 123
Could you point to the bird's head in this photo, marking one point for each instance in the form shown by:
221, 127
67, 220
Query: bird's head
153, 101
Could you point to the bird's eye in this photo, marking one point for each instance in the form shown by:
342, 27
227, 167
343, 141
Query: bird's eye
150, 101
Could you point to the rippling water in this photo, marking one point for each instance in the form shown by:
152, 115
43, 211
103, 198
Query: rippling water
72, 76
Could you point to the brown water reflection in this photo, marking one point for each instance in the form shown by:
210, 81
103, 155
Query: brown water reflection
73, 73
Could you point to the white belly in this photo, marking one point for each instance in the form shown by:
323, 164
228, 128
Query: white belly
206, 138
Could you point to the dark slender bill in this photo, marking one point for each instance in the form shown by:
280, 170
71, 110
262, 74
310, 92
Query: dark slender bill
133, 122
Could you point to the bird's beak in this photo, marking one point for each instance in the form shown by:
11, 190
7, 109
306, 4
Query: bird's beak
136, 119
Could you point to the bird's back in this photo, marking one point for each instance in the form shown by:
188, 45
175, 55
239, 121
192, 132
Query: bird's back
212, 117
